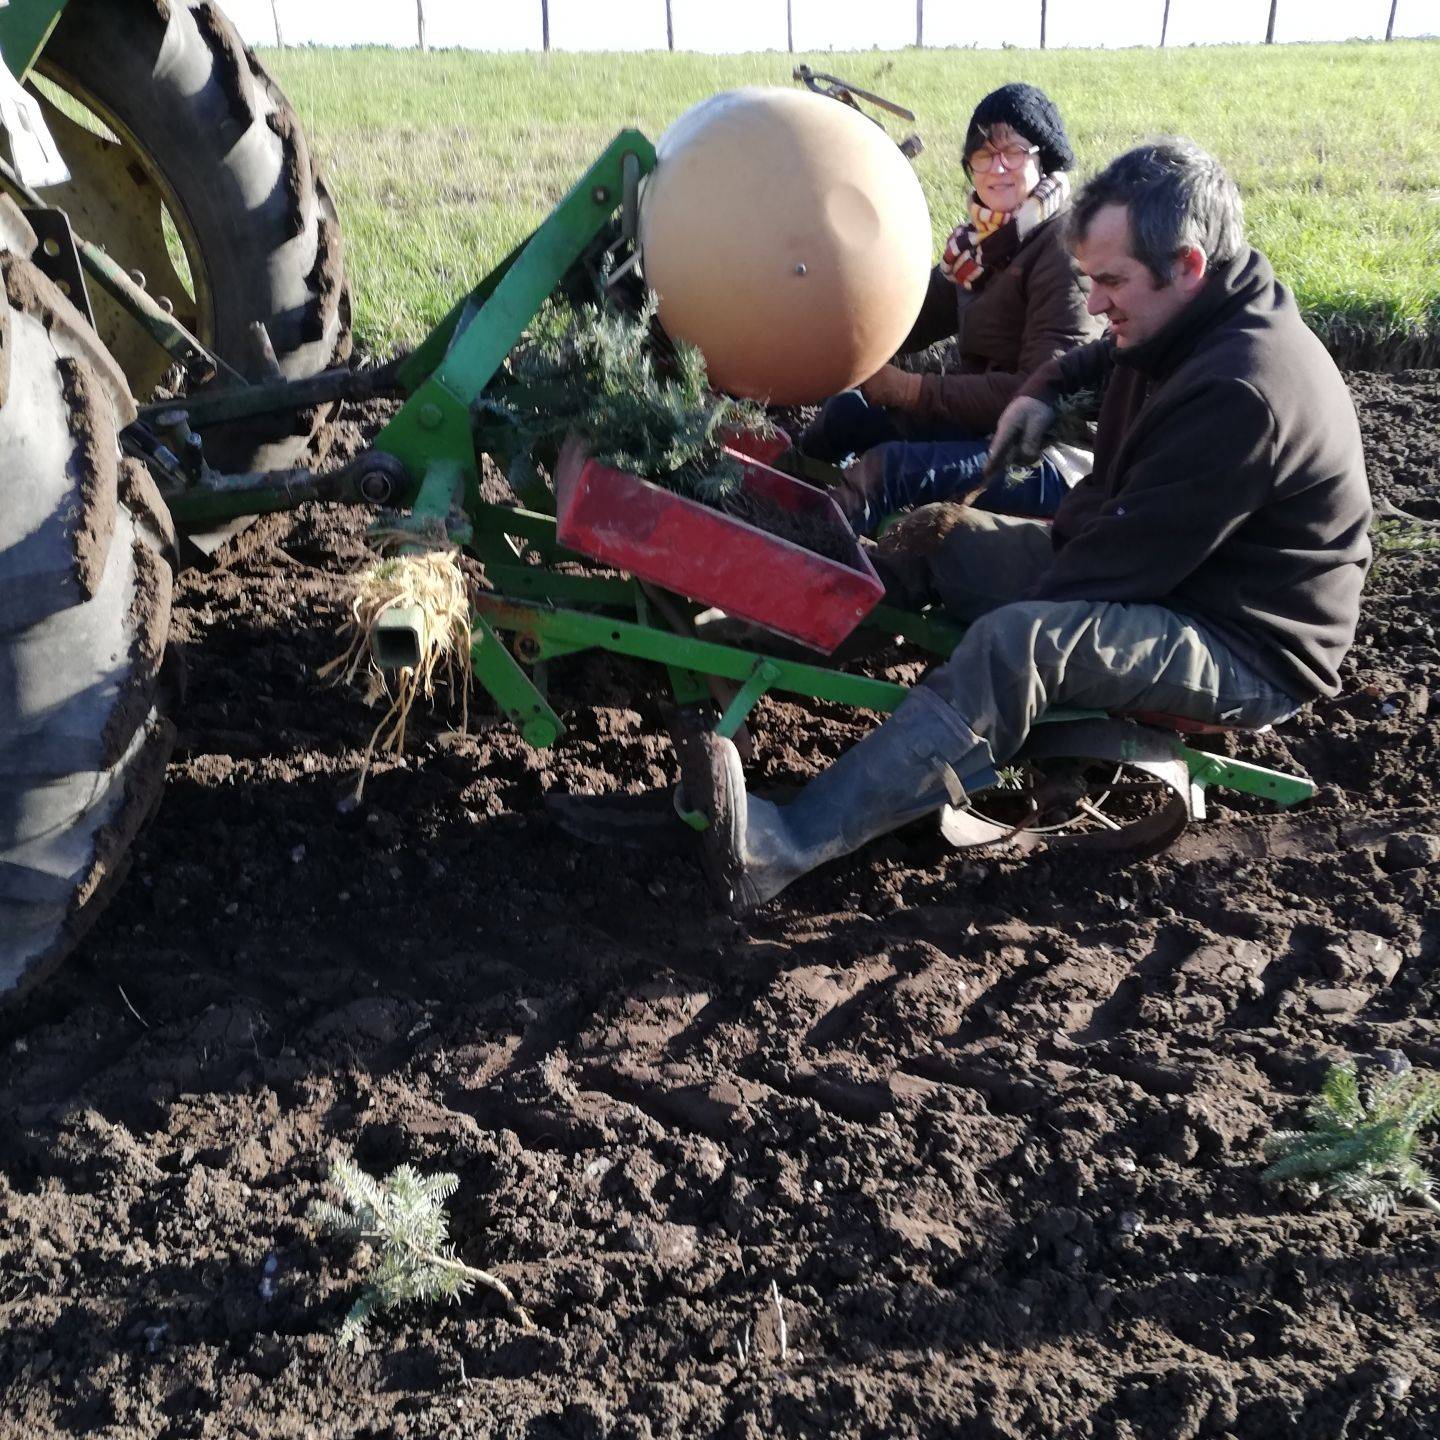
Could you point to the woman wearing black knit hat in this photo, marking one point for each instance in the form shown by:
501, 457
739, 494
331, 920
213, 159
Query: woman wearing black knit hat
1007, 289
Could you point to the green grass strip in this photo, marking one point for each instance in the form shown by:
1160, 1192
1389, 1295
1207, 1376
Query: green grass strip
441, 162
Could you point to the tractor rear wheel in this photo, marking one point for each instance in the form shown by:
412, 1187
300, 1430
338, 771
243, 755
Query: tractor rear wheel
167, 115
86, 551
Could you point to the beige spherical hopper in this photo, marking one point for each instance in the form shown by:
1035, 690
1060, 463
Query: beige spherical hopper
788, 238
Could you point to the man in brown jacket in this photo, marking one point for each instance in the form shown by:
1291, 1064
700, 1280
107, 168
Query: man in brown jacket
1210, 567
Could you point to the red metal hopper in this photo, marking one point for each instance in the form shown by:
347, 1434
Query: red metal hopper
715, 558
767, 449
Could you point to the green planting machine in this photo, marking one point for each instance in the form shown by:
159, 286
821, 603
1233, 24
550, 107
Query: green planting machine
596, 560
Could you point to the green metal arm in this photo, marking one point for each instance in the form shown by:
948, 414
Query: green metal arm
25, 26
1250, 779
464, 352
229, 497
511, 688
549, 631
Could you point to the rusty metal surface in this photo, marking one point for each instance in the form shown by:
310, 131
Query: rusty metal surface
113, 196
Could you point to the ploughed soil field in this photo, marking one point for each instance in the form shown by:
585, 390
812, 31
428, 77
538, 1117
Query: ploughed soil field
989, 1129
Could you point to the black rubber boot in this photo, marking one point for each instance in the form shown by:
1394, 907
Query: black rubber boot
922, 757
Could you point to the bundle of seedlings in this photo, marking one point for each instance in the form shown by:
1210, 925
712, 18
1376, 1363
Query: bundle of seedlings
640, 402
428, 588
1074, 420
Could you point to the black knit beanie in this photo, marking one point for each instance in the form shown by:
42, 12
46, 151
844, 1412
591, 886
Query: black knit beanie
1032, 113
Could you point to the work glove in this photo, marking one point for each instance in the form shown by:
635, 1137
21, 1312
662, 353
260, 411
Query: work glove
890, 385
1020, 433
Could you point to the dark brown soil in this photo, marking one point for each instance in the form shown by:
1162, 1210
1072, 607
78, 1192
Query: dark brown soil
991, 1129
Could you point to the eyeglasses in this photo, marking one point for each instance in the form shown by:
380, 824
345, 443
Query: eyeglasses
1013, 156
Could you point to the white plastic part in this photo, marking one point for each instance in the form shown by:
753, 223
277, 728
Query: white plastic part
34, 155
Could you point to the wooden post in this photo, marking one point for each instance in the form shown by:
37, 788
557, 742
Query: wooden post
545, 25
1164, 24
275, 16
1390, 24
1270, 24
669, 26
919, 24
420, 24
789, 26
1043, 8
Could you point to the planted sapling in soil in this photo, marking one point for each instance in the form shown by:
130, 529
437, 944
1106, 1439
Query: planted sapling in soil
402, 1218
1362, 1141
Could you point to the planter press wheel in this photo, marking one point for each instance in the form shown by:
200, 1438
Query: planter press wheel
710, 771
1140, 807
711, 779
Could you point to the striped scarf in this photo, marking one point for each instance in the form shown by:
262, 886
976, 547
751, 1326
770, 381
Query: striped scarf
988, 240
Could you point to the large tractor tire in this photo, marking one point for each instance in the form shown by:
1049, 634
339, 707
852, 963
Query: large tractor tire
192, 126
86, 552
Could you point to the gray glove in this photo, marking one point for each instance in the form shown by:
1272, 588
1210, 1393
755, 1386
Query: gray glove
1020, 433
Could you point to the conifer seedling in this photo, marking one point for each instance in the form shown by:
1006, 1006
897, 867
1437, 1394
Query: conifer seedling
595, 371
1362, 1141
403, 1218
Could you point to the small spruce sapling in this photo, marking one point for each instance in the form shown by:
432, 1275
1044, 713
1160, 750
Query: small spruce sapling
1362, 1140
403, 1218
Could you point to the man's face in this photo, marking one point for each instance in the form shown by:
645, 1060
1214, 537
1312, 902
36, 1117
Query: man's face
1122, 289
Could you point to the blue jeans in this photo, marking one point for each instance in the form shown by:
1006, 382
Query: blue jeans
908, 462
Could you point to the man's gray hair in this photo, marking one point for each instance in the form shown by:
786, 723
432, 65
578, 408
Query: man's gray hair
1178, 196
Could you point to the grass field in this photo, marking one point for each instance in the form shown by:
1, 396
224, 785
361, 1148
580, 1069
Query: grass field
442, 161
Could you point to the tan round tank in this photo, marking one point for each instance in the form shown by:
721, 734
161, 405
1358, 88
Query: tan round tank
788, 238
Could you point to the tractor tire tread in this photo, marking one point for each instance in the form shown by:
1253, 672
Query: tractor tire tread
87, 679
64, 556
279, 257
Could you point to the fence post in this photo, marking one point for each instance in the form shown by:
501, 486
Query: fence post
420, 24
1270, 24
545, 25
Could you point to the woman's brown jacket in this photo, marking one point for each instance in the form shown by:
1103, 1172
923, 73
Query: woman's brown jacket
1022, 316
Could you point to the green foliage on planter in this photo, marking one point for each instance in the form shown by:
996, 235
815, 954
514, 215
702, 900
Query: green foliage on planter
640, 401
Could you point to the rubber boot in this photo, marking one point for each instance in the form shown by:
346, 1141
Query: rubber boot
924, 756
